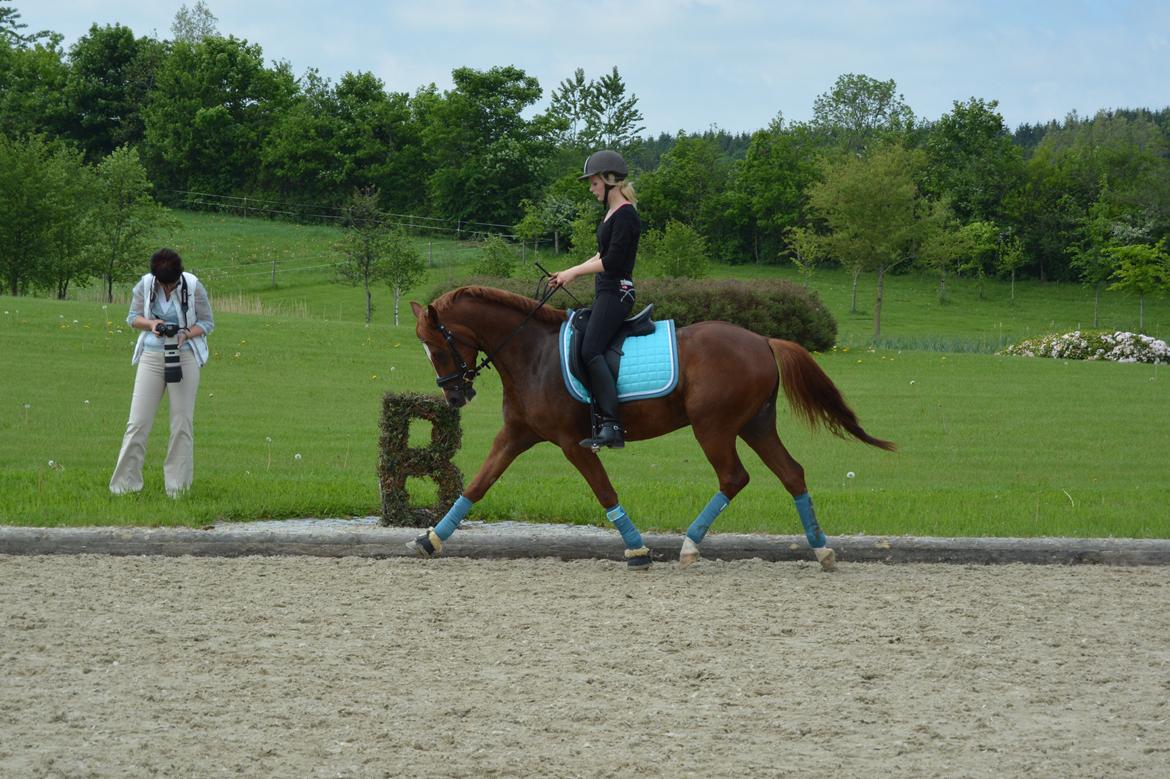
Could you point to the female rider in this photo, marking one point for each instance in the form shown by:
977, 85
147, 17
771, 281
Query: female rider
617, 248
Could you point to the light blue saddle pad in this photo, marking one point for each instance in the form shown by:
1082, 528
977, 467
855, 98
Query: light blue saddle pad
649, 366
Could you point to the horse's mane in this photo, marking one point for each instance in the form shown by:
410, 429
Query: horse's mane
502, 297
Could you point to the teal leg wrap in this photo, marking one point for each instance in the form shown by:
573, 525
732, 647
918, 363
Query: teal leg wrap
617, 515
812, 531
702, 523
450, 523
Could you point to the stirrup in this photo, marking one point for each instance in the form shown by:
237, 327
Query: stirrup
610, 434
427, 545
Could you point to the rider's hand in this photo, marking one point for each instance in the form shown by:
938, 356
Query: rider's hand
560, 278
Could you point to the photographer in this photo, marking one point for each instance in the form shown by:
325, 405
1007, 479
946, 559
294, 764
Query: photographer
171, 309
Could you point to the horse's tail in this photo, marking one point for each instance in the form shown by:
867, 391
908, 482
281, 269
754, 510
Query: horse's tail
814, 396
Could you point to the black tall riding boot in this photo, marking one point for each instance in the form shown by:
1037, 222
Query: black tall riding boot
603, 387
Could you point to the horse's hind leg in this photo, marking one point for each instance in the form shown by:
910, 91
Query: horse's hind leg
760, 435
719, 446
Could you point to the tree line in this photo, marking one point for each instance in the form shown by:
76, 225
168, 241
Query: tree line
865, 184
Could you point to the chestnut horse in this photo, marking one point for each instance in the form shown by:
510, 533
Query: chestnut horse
727, 387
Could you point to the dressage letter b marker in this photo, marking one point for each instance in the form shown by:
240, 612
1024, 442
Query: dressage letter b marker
398, 461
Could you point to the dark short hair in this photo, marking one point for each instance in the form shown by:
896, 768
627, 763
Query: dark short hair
166, 265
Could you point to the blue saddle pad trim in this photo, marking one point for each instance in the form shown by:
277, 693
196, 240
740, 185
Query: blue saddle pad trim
649, 366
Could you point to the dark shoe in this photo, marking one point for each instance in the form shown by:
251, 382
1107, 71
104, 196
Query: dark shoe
610, 435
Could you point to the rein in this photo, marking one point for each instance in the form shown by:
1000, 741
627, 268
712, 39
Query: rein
466, 374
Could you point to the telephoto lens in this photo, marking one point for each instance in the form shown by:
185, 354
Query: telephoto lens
172, 370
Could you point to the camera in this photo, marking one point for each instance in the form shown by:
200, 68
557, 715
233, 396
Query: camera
172, 370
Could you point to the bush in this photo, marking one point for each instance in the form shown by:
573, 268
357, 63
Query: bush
676, 252
1095, 345
496, 258
778, 309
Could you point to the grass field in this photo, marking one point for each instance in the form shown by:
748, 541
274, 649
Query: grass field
989, 445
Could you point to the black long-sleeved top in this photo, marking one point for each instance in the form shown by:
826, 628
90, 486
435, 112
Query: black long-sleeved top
617, 243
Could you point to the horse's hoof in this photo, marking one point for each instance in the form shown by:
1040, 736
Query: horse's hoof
638, 559
827, 558
689, 554
426, 545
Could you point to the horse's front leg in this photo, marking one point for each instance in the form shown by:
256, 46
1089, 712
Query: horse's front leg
509, 444
589, 464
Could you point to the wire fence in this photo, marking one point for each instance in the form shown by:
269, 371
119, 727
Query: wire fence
314, 213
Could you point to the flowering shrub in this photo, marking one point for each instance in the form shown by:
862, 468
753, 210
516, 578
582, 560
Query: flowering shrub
1095, 345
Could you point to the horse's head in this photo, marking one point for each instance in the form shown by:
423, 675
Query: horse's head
451, 351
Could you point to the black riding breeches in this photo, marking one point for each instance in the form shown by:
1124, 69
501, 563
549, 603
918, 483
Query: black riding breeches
609, 311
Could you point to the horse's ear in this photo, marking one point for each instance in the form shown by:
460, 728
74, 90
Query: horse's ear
416, 309
432, 315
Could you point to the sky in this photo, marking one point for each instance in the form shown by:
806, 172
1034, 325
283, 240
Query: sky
698, 64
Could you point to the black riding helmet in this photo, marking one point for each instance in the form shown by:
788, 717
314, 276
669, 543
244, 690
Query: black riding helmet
605, 161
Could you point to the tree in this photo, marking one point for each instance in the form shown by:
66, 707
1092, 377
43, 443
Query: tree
686, 186
110, 74
11, 26
806, 251
404, 265
35, 203
194, 24
678, 251
364, 244
125, 217
972, 160
1104, 226
32, 89
613, 120
774, 178
595, 114
485, 156
1140, 268
978, 242
212, 107
69, 256
941, 245
873, 211
859, 109
333, 139
496, 258
1010, 258
569, 103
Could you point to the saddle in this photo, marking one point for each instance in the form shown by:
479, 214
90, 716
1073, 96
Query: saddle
646, 352
640, 323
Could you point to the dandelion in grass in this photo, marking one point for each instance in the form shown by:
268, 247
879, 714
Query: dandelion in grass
268, 440
297, 457
850, 475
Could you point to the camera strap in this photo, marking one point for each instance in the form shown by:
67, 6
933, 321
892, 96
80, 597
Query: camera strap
183, 299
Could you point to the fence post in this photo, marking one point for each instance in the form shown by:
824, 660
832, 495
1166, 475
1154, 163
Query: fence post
274, 273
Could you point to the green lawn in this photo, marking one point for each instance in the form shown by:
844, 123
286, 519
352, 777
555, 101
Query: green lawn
989, 445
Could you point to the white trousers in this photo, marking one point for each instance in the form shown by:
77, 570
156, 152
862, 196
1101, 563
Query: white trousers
149, 387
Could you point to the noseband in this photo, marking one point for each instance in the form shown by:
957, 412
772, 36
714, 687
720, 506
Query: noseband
465, 374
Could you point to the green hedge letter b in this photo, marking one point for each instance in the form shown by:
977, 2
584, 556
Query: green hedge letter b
398, 461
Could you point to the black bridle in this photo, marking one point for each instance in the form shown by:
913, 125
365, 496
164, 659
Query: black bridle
464, 374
